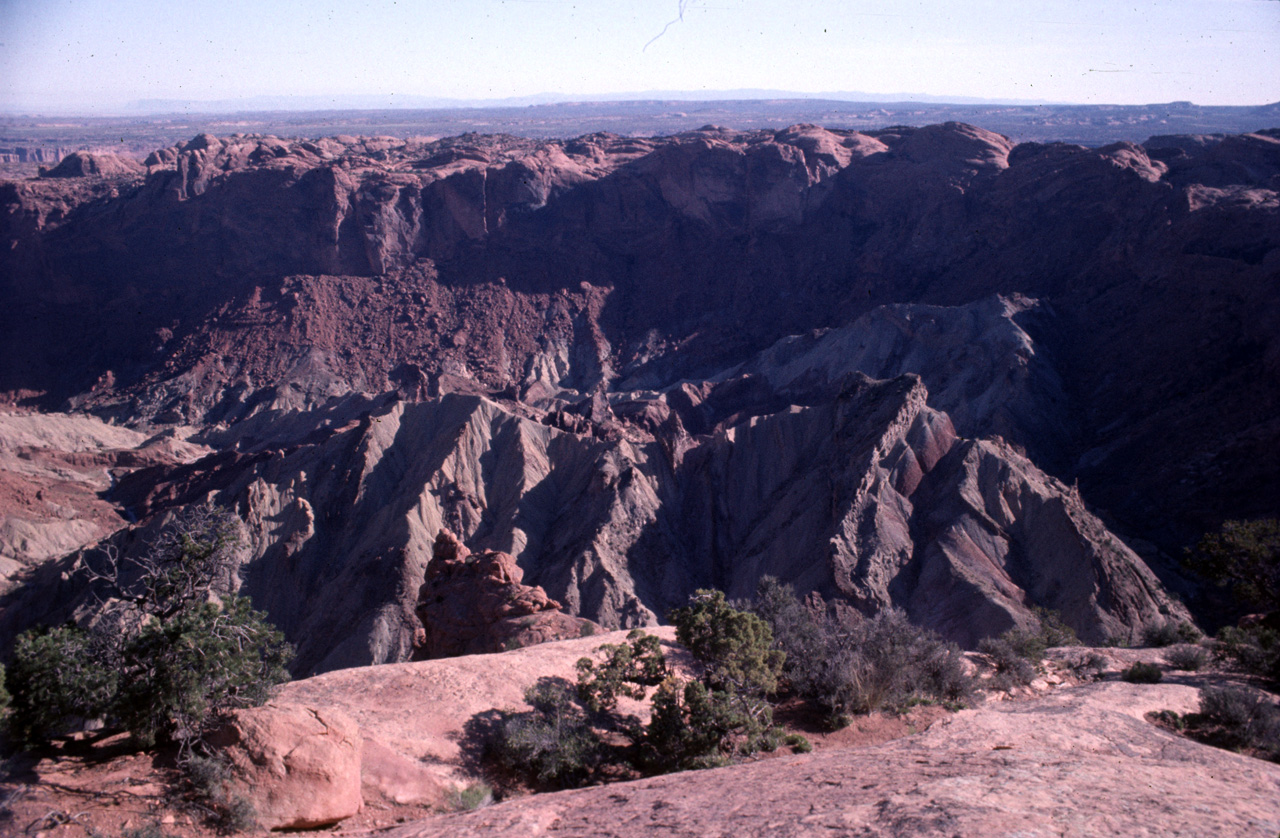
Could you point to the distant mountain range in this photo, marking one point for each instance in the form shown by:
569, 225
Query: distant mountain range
397, 101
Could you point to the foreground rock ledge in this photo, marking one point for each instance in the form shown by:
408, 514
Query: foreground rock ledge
298, 766
1078, 762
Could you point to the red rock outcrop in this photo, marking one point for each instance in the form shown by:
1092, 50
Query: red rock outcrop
475, 603
1079, 761
298, 766
88, 164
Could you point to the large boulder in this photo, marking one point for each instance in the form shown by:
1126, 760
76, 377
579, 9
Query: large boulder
299, 766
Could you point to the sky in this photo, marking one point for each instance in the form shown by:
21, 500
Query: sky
102, 55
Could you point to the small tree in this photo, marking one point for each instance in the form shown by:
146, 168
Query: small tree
202, 662
555, 742
57, 677
182, 648
699, 722
1244, 556
191, 559
627, 670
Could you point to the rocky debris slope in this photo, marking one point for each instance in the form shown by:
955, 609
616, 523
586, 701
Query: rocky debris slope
55, 473
474, 603
1079, 761
867, 496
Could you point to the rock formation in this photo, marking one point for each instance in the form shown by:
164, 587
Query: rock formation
86, 164
298, 767
55, 470
474, 603
868, 496
905, 366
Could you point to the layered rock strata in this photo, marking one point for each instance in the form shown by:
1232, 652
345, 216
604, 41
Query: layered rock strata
869, 497
876, 365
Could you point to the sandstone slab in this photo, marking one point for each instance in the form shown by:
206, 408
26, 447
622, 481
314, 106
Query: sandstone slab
298, 766
1077, 762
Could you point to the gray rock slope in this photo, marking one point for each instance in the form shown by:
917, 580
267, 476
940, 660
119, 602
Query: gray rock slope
869, 497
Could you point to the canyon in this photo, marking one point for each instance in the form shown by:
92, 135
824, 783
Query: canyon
907, 366
485, 392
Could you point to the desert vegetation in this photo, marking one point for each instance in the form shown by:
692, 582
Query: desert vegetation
575, 735
1231, 716
1242, 560
170, 651
846, 664
744, 657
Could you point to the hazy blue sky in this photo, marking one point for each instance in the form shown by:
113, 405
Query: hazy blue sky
57, 54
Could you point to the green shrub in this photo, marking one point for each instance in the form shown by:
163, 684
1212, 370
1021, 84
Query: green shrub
1013, 669
1016, 653
1161, 635
237, 814
854, 665
698, 723
1091, 665
1186, 658
59, 678
199, 664
554, 743
1143, 673
209, 776
147, 830
471, 797
4, 693
889, 662
1245, 557
690, 728
806, 638
1255, 649
1050, 631
1247, 718
733, 647
181, 651
627, 670
798, 743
